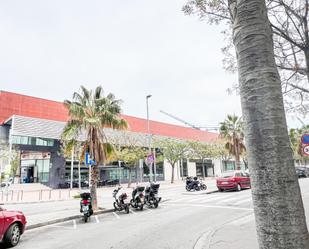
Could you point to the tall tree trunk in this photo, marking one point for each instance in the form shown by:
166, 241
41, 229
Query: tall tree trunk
130, 178
307, 60
173, 170
278, 206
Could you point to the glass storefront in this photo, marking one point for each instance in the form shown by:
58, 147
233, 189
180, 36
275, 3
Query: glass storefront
184, 168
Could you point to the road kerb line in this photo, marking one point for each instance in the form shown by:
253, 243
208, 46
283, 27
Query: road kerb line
97, 219
74, 224
116, 215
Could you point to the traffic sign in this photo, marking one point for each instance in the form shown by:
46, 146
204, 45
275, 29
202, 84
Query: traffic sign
88, 161
150, 159
306, 150
305, 139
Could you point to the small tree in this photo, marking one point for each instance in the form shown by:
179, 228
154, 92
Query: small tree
201, 151
173, 151
130, 156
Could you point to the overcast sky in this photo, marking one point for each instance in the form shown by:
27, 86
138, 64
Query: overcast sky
132, 48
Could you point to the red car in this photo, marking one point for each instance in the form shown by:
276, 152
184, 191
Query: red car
237, 180
12, 226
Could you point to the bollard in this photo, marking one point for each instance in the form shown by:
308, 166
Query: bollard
69, 193
49, 194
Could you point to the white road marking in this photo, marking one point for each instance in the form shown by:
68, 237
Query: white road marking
97, 219
242, 201
74, 224
116, 215
132, 212
231, 199
208, 206
243, 220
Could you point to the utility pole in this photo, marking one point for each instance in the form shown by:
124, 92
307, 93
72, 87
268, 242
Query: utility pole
149, 138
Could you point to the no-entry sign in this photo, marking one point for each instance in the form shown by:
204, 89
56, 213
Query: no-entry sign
306, 150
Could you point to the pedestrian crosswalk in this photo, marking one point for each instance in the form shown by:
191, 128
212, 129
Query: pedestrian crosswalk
241, 199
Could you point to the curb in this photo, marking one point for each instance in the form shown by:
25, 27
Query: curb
73, 217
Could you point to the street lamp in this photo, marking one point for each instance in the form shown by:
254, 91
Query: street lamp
149, 137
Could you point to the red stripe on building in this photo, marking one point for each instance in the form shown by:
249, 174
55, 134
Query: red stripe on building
18, 104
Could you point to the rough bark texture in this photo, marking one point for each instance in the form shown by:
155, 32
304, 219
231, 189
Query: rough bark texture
278, 205
93, 189
173, 170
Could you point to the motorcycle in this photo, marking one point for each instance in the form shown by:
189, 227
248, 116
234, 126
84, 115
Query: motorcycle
120, 203
195, 184
151, 195
137, 200
86, 206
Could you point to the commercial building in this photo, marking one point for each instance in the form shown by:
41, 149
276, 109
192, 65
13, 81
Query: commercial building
34, 126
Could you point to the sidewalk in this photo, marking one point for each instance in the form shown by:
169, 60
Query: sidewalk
49, 212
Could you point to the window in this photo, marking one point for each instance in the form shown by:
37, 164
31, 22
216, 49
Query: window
32, 141
43, 170
184, 168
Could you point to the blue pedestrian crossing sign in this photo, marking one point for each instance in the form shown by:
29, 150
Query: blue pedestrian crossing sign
88, 160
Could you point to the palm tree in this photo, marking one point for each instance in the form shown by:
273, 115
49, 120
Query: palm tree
90, 112
232, 131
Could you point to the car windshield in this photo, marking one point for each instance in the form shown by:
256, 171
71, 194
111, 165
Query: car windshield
227, 174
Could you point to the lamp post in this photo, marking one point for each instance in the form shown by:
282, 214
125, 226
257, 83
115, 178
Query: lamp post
149, 137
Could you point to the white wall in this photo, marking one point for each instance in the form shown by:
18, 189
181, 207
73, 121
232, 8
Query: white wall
217, 166
168, 171
191, 168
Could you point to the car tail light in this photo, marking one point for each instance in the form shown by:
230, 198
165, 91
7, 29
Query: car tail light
85, 202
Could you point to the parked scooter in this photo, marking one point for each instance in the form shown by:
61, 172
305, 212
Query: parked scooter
151, 195
194, 184
137, 200
85, 205
121, 203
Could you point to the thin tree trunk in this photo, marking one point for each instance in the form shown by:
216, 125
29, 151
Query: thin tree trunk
173, 169
203, 169
130, 178
278, 206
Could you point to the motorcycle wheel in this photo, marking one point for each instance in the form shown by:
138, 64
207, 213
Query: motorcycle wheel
188, 188
127, 209
115, 206
141, 207
197, 188
156, 204
204, 187
85, 218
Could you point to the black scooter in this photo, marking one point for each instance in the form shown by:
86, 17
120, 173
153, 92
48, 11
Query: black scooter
137, 200
120, 203
194, 184
151, 195
86, 206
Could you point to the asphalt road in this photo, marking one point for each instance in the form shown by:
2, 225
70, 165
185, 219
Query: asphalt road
218, 220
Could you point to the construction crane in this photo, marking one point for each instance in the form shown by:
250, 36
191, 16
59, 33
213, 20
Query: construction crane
189, 124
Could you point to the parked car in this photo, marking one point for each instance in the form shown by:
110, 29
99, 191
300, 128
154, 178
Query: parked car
236, 180
12, 226
302, 171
